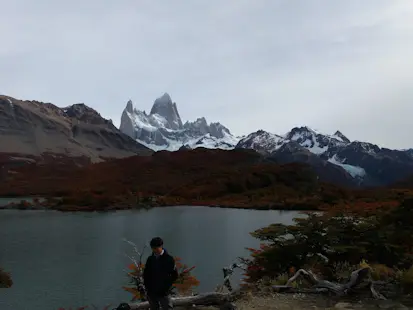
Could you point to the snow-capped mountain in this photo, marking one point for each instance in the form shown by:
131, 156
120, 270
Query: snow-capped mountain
314, 141
366, 163
334, 157
162, 128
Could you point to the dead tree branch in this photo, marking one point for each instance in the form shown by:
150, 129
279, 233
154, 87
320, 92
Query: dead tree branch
323, 286
228, 272
137, 278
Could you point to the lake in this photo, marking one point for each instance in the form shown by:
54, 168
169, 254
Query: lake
75, 259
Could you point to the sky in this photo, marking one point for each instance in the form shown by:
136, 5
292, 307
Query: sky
269, 64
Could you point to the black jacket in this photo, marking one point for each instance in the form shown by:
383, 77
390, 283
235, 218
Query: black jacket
159, 274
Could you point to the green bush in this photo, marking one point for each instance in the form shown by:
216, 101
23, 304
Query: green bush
331, 243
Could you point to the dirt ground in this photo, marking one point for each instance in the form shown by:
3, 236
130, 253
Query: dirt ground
292, 302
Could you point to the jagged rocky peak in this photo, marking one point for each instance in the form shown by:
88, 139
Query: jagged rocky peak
86, 114
162, 128
129, 106
302, 132
200, 125
78, 109
164, 107
261, 141
309, 136
338, 134
218, 130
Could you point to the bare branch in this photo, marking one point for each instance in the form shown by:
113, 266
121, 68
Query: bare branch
323, 286
308, 275
375, 293
228, 271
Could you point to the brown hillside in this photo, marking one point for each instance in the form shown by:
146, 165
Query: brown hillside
32, 128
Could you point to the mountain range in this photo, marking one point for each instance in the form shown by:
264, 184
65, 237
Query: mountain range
163, 129
32, 129
367, 164
334, 157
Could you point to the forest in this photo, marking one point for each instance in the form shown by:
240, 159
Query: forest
238, 178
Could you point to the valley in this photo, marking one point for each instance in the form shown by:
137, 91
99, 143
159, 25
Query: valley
156, 159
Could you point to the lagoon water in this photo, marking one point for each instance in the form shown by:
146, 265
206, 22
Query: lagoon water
74, 259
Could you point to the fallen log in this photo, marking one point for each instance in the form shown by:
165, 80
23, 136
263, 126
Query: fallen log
323, 286
221, 300
218, 298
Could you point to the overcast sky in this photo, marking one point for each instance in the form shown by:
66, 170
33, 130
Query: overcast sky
250, 64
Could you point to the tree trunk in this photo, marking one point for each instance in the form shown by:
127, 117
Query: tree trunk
207, 299
323, 286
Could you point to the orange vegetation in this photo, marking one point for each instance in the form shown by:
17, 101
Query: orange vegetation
5, 279
238, 178
184, 285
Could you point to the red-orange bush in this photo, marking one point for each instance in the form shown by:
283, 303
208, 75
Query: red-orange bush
184, 285
5, 279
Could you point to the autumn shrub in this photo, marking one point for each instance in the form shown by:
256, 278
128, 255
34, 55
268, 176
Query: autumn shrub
5, 279
330, 242
183, 286
23, 204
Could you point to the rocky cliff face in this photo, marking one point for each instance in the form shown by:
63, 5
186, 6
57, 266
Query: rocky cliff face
162, 128
35, 128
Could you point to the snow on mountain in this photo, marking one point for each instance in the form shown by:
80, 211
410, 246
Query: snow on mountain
261, 141
317, 143
409, 152
362, 160
312, 140
162, 128
354, 171
333, 155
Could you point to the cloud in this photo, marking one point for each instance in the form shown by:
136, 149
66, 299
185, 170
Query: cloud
250, 64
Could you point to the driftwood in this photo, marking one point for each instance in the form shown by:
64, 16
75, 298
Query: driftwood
137, 261
228, 271
323, 286
221, 300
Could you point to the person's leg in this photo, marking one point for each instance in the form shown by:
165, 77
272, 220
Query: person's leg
153, 303
166, 303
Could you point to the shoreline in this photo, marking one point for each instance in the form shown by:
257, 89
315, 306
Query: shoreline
25, 205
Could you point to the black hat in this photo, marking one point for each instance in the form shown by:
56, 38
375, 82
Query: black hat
156, 242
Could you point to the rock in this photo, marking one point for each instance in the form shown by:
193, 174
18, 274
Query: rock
343, 305
391, 305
